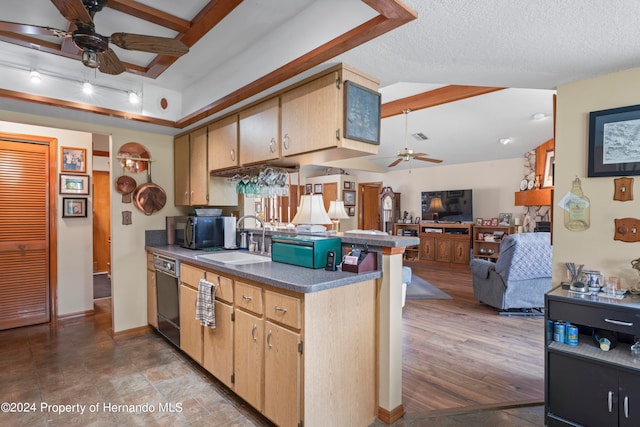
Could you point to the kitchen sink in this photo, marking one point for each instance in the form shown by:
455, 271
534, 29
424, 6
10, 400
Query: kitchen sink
236, 257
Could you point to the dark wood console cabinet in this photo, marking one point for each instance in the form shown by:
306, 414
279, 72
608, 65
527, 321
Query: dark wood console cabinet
584, 385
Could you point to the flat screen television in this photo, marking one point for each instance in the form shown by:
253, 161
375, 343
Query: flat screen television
447, 206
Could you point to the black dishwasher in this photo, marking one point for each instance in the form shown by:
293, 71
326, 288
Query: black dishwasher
167, 273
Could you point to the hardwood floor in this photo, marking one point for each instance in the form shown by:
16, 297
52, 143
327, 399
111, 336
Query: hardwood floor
462, 355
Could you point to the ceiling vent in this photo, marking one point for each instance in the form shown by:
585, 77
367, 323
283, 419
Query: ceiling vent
420, 136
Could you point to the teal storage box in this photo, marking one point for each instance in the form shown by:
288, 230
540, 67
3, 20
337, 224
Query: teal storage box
305, 251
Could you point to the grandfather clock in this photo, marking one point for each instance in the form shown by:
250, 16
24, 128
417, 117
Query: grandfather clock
389, 209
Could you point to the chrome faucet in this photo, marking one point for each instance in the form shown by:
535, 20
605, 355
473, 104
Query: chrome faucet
242, 218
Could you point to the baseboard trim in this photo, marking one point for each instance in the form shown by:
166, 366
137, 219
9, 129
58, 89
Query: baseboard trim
127, 333
390, 417
85, 313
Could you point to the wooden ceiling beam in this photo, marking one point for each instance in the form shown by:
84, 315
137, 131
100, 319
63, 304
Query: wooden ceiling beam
393, 14
148, 13
433, 98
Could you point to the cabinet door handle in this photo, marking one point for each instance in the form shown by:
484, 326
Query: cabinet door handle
626, 406
233, 155
282, 309
618, 322
269, 339
272, 145
253, 332
247, 298
610, 401
285, 141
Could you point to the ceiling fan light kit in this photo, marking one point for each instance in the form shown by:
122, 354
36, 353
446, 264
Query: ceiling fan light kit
96, 52
406, 154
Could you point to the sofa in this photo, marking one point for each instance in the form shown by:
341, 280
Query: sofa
518, 280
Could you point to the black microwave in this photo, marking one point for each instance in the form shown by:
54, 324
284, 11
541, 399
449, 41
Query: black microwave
203, 232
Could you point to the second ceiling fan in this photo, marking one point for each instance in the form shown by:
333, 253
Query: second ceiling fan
406, 154
96, 52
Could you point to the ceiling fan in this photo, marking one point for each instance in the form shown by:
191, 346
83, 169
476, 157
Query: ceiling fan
406, 154
96, 52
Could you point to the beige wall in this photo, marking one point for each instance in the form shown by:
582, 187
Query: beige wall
493, 184
128, 258
595, 247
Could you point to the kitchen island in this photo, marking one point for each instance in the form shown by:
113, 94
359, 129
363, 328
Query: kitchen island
301, 345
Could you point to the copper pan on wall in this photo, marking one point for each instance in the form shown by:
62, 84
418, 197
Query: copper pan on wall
149, 197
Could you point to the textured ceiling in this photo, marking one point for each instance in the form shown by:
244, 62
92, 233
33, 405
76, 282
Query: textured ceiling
531, 47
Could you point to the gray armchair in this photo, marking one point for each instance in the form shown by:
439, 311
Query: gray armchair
519, 278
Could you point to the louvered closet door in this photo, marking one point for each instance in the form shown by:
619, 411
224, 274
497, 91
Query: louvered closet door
24, 234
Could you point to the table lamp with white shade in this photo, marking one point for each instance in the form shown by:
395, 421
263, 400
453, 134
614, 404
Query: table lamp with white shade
435, 207
311, 214
336, 213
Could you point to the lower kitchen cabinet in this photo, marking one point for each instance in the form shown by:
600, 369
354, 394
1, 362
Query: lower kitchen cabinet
217, 349
282, 375
279, 350
190, 328
152, 297
248, 345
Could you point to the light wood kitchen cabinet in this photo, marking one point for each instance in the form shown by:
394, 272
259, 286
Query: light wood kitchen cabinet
282, 375
280, 353
181, 170
310, 116
248, 346
217, 351
282, 360
191, 332
190, 328
260, 132
223, 144
152, 298
191, 174
461, 250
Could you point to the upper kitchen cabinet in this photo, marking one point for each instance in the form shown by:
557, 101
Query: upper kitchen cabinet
191, 175
260, 132
313, 116
310, 116
223, 143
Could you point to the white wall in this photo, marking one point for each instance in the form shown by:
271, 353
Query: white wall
128, 257
594, 247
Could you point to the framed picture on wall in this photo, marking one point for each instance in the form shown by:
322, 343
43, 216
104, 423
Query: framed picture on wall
317, 188
74, 184
74, 207
613, 146
361, 113
308, 188
349, 197
73, 159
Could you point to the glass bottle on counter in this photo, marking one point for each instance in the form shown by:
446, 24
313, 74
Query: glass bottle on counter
577, 210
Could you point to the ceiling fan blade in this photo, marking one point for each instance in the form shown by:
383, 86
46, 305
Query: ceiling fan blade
394, 163
419, 154
151, 44
426, 159
33, 30
110, 63
73, 11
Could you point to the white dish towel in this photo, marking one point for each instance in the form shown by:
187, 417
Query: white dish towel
205, 304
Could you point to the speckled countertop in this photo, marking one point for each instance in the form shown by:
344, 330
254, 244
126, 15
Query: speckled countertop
285, 276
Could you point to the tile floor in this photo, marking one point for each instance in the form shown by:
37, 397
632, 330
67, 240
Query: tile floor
141, 380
